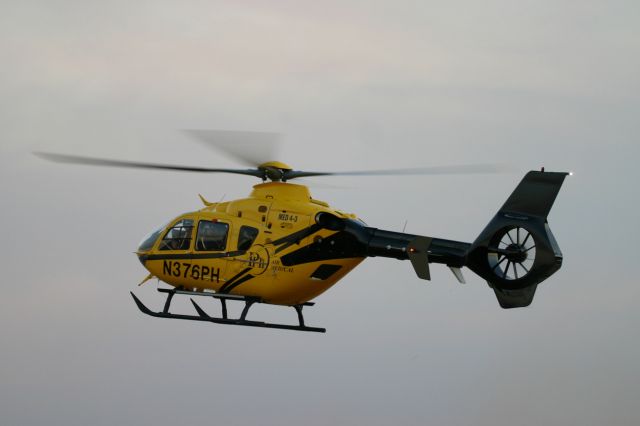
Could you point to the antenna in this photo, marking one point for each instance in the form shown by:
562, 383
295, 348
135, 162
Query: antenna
405, 225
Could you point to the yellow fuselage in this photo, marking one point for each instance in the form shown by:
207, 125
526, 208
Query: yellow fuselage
283, 216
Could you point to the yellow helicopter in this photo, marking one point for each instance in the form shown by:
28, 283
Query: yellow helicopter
281, 246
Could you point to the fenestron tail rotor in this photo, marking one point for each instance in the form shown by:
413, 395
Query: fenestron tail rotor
513, 256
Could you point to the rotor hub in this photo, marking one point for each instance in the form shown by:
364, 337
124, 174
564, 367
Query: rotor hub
275, 165
516, 253
274, 170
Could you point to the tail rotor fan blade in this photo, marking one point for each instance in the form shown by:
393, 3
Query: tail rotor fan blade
518, 247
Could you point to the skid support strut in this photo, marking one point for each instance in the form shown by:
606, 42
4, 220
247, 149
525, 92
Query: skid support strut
204, 316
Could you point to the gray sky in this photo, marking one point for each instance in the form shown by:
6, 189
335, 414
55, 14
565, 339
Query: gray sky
352, 85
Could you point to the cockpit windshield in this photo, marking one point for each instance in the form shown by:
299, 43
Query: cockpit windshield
149, 240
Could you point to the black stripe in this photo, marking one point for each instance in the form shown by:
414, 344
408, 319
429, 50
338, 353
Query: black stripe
237, 283
296, 237
235, 277
167, 256
341, 245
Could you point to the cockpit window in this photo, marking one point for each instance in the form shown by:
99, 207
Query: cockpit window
212, 236
148, 241
246, 237
179, 236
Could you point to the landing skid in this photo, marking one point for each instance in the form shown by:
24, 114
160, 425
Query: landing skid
203, 316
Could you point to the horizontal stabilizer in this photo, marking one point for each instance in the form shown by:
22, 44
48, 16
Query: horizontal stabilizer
418, 251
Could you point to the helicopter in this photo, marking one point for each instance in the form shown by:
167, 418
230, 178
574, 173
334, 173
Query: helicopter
280, 246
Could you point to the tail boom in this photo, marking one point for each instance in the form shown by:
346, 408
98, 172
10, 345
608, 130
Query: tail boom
514, 253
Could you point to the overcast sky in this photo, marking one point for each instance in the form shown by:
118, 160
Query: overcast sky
352, 85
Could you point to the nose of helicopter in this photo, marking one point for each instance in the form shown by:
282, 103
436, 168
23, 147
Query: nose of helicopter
147, 243
142, 258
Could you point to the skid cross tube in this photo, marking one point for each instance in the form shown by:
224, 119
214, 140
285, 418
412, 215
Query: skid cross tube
204, 316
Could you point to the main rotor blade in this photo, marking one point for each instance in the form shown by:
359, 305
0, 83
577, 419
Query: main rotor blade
249, 148
74, 159
462, 169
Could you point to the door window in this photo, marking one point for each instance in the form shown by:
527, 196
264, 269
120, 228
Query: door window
246, 237
212, 236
